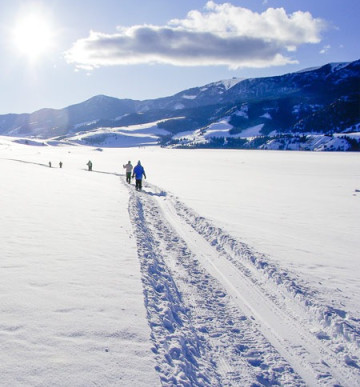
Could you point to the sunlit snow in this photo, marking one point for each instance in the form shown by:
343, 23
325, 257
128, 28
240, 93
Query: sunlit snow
230, 268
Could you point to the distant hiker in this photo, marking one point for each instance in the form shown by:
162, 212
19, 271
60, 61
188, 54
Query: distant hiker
89, 164
50, 164
139, 172
60, 164
128, 168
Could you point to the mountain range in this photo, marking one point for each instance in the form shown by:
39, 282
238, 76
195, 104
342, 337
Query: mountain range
271, 113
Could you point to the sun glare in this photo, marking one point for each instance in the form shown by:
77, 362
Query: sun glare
32, 36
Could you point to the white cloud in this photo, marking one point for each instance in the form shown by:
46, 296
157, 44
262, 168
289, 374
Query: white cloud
222, 34
325, 49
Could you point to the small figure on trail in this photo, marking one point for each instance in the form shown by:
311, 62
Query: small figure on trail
89, 164
128, 168
139, 172
50, 164
60, 164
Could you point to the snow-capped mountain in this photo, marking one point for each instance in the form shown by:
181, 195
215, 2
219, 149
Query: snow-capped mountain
319, 101
47, 123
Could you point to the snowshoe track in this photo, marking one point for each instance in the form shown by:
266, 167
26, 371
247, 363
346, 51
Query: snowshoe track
206, 329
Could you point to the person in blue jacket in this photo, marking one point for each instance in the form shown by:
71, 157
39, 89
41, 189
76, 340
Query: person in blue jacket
138, 173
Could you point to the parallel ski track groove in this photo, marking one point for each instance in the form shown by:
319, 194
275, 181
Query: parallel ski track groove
177, 347
328, 365
200, 335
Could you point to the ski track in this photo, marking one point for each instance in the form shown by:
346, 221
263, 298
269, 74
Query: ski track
223, 315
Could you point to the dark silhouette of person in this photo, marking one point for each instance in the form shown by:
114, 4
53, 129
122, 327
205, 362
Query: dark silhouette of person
138, 173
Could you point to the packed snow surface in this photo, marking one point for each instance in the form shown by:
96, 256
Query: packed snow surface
230, 268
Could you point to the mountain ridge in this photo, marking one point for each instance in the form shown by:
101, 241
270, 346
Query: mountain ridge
322, 100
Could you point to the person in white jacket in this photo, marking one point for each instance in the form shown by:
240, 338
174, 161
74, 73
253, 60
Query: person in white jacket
128, 168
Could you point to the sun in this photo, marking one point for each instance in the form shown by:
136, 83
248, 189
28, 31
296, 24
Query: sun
32, 36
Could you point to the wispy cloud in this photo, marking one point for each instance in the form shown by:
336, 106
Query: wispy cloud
325, 49
220, 34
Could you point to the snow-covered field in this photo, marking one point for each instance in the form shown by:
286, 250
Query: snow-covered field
231, 268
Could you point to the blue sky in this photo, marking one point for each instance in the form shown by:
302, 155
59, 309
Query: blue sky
56, 53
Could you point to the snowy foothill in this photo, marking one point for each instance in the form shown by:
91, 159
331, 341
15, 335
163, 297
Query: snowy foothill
128, 136
218, 129
230, 268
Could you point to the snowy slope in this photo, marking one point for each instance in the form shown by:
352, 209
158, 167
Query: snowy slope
133, 135
220, 129
233, 278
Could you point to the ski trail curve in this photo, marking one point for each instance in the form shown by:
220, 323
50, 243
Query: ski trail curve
215, 319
